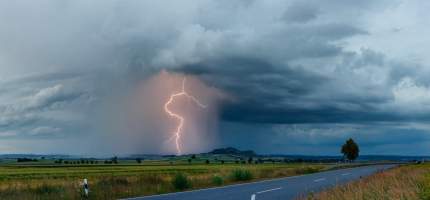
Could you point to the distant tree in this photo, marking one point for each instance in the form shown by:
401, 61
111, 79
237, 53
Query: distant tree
193, 156
92, 162
222, 161
350, 149
250, 160
115, 160
236, 161
139, 160
207, 162
189, 160
26, 160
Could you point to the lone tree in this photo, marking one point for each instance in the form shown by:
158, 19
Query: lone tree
350, 149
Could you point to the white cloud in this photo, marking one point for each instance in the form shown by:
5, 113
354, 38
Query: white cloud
34, 114
44, 96
7, 133
411, 96
45, 130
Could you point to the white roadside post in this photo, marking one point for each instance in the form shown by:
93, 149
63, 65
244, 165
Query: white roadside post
86, 187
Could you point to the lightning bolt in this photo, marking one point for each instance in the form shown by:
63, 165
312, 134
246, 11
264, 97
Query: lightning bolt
178, 132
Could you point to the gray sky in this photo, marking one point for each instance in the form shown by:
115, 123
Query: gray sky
304, 75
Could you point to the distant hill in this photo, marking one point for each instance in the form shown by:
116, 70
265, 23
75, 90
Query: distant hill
47, 156
233, 151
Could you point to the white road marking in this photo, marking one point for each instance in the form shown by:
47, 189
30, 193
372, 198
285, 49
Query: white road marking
320, 179
346, 174
269, 190
253, 195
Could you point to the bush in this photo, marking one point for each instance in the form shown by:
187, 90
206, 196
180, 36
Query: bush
180, 181
217, 180
241, 175
307, 170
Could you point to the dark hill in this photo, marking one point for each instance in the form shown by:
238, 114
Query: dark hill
233, 151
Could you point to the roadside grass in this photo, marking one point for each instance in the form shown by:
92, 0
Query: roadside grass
404, 182
120, 181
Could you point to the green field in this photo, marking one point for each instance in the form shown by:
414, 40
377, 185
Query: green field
46, 180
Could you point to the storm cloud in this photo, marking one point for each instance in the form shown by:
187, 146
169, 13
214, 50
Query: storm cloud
323, 67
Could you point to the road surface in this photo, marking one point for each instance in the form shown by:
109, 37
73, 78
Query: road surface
282, 188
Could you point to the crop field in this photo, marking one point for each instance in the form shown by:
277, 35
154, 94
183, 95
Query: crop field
47, 180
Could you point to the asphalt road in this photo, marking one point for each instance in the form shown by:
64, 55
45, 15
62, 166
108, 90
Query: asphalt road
282, 188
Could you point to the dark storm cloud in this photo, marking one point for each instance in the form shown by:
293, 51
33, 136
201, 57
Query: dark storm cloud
281, 62
279, 89
264, 73
274, 93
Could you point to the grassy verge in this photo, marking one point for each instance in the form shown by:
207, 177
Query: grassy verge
120, 181
405, 182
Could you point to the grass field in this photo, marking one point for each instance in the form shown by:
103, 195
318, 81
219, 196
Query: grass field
405, 182
45, 180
